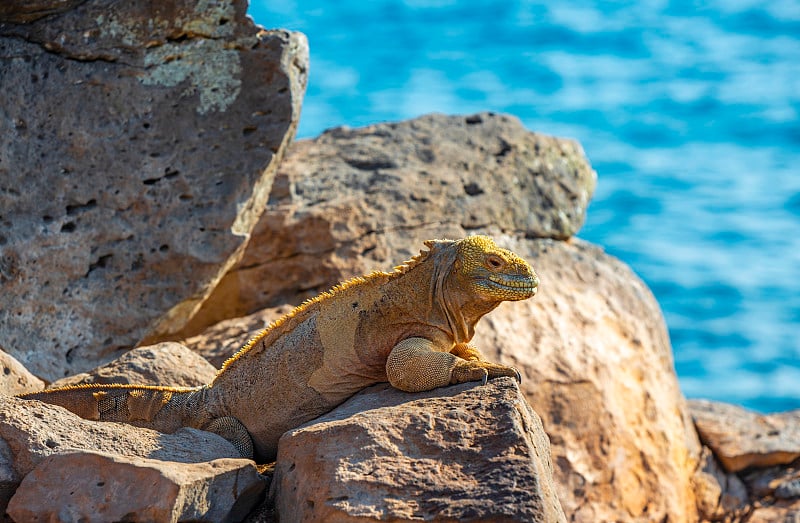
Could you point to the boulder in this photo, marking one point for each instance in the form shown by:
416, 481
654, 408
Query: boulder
15, 378
222, 340
355, 200
167, 363
138, 152
99, 487
34, 430
467, 452
740, 438
31, 431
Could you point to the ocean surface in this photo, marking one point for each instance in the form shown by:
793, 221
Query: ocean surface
688, 111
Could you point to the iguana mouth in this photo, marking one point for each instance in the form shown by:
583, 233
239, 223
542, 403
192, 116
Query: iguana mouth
522, 285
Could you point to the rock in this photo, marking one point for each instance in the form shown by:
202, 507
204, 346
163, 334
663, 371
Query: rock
167, 363
467, 452
740, 438
780, 481
776, 512
98, 487
9, 478
15, 378
138, 154
355, 200
34, 430
222, 340
720, 496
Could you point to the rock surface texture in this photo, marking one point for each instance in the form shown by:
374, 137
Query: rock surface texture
15, 378
32, 431
166, 363
463, 453
742, 438
107, 487
139, 145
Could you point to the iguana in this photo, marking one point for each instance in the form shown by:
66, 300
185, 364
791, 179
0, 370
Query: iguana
410, 327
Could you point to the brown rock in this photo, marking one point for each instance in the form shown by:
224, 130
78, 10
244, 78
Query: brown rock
776, 512
167, 363
355, 200
597, 366
35, 430
467, 452
15, 378
138, 153
98, 487
222, 340
780, 481
740, 438
720, 496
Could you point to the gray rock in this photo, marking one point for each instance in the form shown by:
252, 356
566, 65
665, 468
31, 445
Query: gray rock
138, 152
167, 363
97, 487
354, 200
467, 452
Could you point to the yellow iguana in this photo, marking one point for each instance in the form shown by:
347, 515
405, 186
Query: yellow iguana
410, 327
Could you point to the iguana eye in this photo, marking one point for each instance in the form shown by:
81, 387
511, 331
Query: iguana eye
495, 262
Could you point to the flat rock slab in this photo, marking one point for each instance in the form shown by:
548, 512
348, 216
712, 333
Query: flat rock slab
354, 200
167, 364
96, 487
34, 430
467, 452
139, 146
741, 438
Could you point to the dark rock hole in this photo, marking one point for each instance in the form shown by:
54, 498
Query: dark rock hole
101, 263
75, 209
474, 119
68, 227
473, 189
6, 371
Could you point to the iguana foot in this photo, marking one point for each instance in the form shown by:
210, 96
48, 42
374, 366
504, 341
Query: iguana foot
476, 370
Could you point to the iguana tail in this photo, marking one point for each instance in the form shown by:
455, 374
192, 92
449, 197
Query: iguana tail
165, 409
158, 408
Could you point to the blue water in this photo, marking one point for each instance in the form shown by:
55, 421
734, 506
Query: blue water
689, 112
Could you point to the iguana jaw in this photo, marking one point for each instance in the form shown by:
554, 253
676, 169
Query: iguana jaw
510, 287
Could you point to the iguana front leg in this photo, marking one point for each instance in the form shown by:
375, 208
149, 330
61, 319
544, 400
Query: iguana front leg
414, 365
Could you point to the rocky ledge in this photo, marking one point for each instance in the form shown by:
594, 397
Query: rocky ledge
177, 211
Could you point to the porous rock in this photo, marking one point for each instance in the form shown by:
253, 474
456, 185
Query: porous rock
167, 363
139, 145
467, 452
34, 430
99, 487
15, 378
222, 340
355, 200
741, 438
30, 431
721, 496
597, 366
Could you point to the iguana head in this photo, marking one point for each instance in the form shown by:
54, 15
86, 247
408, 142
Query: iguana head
491, 273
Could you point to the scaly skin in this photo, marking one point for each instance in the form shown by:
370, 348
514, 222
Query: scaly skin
410, 327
